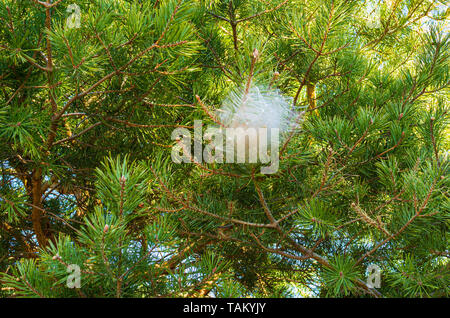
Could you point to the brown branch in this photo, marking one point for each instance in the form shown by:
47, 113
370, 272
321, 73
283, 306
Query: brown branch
263, 12
417, 214
77, 135
390, 149
191, 207
58, 115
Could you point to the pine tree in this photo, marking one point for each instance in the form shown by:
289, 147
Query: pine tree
92, 91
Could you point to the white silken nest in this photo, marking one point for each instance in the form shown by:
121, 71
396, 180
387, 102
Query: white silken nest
247, 113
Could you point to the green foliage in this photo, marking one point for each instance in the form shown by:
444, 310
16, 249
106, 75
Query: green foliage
340, 278
86, 176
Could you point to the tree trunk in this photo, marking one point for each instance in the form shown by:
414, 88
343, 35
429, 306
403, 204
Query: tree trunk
36, 212
311, 94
